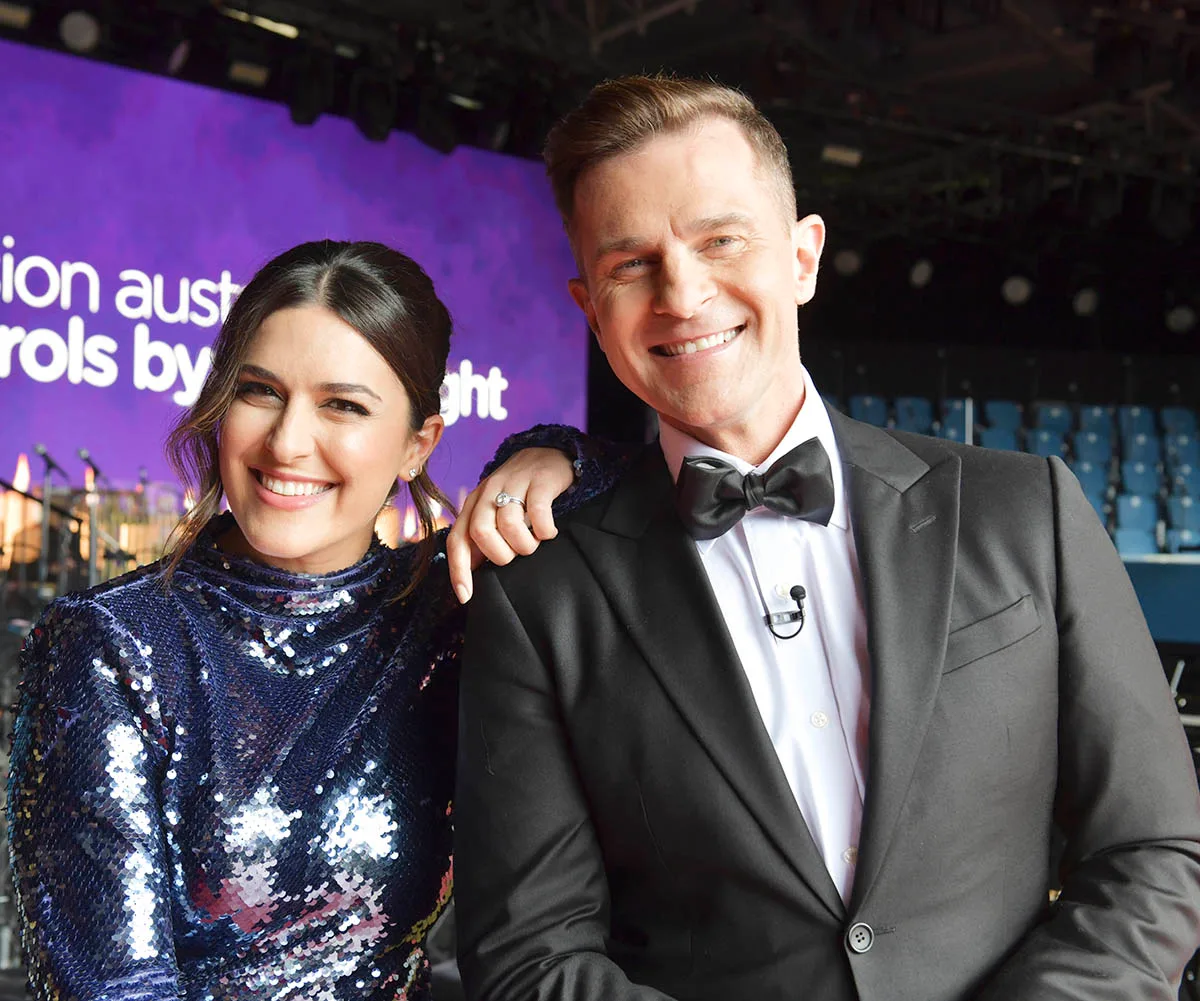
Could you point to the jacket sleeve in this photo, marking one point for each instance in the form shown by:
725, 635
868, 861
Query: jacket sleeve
531, 893
1127, 918
88, 851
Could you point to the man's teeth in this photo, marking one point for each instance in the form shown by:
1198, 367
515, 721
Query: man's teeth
292, 488
701, 343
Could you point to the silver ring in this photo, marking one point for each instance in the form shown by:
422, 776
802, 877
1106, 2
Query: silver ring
503, 499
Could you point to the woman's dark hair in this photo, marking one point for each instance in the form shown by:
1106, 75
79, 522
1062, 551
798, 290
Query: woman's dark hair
381, 293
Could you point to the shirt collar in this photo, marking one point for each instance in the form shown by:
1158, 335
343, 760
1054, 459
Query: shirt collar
811, 422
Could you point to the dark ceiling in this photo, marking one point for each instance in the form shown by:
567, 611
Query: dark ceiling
1042, 124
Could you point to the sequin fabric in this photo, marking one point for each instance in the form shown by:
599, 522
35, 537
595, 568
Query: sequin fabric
239, 786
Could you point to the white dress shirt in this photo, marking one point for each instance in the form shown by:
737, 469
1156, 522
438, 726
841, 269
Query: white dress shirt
813, 691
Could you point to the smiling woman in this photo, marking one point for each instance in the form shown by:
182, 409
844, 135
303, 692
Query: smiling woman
232, 770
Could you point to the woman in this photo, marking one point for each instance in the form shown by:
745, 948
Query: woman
232, 770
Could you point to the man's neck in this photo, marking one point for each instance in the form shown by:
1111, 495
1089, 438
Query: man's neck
753, 440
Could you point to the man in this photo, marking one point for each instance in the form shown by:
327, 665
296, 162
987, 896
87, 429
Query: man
804, 733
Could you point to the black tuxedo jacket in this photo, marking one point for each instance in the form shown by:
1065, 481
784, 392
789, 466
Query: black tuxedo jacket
625, 830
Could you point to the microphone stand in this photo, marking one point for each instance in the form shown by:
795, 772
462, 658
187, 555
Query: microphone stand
93, 503
48, 468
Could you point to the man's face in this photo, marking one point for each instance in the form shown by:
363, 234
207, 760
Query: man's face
691, 275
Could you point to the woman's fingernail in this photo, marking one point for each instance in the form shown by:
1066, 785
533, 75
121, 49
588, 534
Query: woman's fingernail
463, 592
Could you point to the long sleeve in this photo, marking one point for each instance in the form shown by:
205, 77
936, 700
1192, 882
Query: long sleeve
89, 855
532, 895
598, 462
1128, 915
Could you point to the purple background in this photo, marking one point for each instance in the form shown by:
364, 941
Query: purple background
124, 170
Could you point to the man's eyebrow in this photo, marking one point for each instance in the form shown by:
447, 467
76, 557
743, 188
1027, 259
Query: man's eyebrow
625, 244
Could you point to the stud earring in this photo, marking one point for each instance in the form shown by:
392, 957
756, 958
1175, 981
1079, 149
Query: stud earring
414, 472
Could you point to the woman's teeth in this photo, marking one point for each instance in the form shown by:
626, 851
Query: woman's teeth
700, 343
292, 488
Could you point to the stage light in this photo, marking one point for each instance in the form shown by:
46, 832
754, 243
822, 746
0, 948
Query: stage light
1180, 319
1016, 290
373, 101
1085, 301
275, 27
921, 273
15, 15
847, 262
309, 81
79, 31
249, 74
843, 156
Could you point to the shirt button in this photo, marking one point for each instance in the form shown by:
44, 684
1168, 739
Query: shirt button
850, 855
782, 590
819, 720
860, 937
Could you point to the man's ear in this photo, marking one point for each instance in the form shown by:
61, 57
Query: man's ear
583, 299
808, 240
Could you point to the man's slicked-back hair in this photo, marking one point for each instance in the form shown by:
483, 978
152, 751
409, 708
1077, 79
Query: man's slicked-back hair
620, 115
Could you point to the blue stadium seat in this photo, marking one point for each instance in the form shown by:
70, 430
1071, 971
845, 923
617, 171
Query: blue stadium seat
870, 409
1093, 446
1004, 414
1139, 478
1179, 420
998, 437
1136, 511
1093, 478
1182, 449
1098, 503
1183, 512
953, 424
1096, 418
1045, 442
1135, 542
1186, 480
1052, 416
914, 413
1182, 539
1135, 420
1141, 448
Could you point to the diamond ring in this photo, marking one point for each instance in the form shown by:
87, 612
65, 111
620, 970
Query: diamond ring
503, 499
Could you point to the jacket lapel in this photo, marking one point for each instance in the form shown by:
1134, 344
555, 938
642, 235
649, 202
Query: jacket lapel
905, 519
653, 577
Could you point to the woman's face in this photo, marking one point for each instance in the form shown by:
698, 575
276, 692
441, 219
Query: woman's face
317, 433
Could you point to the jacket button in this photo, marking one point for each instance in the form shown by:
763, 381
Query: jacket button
860, 937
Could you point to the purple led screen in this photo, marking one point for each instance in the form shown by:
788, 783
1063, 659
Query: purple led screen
119, 191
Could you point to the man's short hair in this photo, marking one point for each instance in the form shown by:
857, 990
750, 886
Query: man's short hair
619, 116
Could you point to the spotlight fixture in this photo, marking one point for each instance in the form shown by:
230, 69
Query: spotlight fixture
1016, 290
15, 15
309, 81
79, 31
847, 262
373, 101
1180, 319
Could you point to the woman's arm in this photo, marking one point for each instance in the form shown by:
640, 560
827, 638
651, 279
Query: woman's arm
84, 813
551, 469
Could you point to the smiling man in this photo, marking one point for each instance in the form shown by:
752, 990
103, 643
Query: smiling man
794, 710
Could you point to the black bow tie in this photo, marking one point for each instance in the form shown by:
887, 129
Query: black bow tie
711, 496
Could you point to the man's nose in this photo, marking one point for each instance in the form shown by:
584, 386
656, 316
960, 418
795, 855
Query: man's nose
685, 286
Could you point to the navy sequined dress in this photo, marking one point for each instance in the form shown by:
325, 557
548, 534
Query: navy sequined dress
239, 786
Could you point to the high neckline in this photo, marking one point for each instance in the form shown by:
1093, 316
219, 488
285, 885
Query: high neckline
272, 589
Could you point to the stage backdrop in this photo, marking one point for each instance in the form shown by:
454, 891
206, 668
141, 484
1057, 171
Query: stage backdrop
131, 206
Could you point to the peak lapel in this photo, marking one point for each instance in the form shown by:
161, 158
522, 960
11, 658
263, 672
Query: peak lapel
905, 520
652, 575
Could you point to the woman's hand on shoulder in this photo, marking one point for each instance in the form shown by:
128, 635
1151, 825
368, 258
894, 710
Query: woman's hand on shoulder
508, 514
